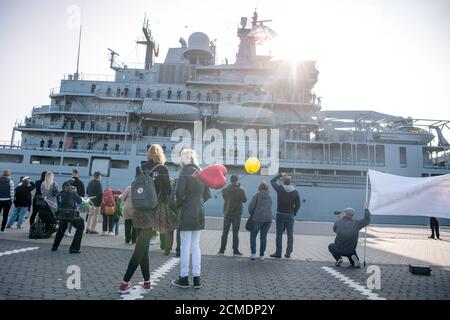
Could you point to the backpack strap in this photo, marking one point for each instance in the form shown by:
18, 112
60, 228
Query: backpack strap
149, 172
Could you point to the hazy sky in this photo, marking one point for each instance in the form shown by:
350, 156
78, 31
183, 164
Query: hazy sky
390, 56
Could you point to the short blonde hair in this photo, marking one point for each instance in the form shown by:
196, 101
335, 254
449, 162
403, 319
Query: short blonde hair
156, 154
189, 156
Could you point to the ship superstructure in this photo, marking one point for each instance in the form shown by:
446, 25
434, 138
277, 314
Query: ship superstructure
107, 125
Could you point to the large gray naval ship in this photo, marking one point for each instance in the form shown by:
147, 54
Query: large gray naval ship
106, 125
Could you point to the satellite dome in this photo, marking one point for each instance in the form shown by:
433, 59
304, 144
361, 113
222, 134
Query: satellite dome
199, 41
198, 51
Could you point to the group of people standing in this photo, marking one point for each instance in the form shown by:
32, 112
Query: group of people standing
260, 215
183, 199
180, 207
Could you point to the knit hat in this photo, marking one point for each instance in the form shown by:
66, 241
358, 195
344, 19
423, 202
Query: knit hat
347, 212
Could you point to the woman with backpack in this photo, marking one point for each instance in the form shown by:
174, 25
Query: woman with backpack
191, 195
260, 210
143, 219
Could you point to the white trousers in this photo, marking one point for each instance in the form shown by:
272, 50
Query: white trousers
93, 217
190, 244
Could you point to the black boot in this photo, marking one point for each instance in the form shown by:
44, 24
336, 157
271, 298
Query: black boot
182, 282
197, 283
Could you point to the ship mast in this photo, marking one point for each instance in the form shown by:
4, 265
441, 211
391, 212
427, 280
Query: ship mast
76, 75
247, 47
152, 47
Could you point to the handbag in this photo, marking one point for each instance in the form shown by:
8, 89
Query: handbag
109, 210
37, 230
165, 219
40, 203
249, 223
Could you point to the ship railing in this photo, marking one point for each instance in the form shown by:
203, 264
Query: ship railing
328, 179
72, 108
74, 91
444, 165
90, 77
41, 124
38, 109
7, 145
59, 125
289, 160
37, 147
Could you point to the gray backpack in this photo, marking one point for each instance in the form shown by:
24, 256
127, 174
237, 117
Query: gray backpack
143, 191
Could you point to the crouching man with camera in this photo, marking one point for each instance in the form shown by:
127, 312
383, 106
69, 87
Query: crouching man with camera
68, 202
347, 233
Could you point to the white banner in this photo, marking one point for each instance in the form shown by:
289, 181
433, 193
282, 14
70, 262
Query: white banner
406, 196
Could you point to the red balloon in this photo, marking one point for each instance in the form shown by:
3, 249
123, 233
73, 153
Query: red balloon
213, 176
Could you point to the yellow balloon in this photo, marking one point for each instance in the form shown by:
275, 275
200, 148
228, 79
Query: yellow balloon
252, 165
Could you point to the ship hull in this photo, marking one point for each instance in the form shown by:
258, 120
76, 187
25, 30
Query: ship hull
318, 202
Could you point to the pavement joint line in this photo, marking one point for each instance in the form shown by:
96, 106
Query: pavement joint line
18, 251
353, 284
157, 275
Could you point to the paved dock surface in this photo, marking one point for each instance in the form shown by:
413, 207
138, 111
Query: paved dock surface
29, 270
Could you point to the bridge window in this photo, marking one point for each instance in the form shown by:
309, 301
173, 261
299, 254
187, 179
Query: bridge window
76, 162
10, 158
42, 160
379, 155
120, 164
102, 165
403, 160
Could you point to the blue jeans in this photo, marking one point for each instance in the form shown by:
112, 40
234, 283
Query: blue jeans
285, 221
257, 227
20, 212
116, 227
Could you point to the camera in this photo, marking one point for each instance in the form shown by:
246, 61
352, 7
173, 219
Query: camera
337, 212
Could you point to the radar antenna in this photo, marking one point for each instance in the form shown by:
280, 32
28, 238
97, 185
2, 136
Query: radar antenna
113, 64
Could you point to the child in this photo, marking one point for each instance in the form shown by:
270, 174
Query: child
117, 214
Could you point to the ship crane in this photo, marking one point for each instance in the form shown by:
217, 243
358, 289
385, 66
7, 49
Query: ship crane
152, 46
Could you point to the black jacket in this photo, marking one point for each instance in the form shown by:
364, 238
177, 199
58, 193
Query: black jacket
38, 188
162, 182
347, 232
22, 196
68, 200
191, 195
77, 183
288, 201
38, 185
234, 197
95, 189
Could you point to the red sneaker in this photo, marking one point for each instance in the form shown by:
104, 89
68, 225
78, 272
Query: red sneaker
125, 288
146, 286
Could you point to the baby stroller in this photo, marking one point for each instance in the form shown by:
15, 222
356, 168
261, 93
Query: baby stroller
45, 224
